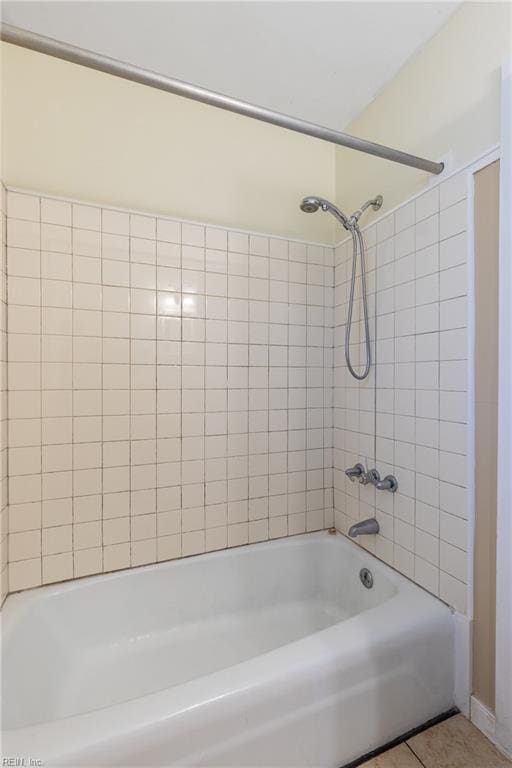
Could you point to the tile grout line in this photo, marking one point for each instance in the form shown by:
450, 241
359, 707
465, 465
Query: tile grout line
420, 761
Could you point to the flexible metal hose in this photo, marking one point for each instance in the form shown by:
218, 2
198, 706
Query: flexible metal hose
357, 239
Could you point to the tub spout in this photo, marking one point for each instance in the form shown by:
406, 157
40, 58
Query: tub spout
365, 527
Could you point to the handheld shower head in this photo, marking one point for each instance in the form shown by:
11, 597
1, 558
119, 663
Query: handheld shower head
311, 204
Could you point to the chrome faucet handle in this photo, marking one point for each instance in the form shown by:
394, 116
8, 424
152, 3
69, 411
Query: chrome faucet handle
390, 483
357, 471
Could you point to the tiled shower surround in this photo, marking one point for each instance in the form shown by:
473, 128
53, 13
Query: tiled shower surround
173, 389
170, 389
409, 418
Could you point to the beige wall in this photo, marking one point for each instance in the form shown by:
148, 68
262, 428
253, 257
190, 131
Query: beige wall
74, 132
487, 182
447, 98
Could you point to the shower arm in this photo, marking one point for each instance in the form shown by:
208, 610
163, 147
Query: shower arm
60, 50
375, 204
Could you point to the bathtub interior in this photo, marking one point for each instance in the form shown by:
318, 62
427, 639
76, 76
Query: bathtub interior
110, 639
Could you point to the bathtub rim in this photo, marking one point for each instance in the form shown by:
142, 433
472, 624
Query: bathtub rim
15, 601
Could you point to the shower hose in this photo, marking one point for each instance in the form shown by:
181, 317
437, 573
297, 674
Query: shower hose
357, 240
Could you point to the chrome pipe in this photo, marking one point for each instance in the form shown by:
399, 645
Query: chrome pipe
101, 63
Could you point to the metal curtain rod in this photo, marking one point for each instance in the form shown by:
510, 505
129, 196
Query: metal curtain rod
76, 55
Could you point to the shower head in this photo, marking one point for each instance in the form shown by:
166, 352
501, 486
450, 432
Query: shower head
311, 204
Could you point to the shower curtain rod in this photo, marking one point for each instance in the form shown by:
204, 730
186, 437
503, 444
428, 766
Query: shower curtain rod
76, 55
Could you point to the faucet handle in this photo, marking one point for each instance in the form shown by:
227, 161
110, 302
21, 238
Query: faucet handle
389, 483
357, 471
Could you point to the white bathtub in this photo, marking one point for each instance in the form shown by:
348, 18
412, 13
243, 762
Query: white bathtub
273, 654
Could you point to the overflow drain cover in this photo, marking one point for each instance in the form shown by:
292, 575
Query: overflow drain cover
366, 577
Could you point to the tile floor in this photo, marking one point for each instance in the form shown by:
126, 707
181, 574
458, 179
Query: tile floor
454, 743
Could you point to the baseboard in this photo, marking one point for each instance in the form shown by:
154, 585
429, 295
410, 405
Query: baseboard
483, 718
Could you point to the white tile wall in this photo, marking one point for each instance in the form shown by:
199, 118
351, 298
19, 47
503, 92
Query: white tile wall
170, 388
416, 397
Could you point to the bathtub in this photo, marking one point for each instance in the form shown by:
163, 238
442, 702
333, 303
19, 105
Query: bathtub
274, 654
